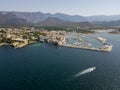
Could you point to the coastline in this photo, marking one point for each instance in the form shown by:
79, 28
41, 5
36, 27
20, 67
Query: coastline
63, 45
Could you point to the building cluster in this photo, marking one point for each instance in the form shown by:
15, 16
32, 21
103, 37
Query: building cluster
19, 37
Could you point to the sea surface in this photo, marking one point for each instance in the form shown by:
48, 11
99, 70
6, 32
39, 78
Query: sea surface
48, 67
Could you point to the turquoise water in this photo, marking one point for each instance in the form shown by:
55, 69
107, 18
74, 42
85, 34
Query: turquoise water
36, 44
48, 67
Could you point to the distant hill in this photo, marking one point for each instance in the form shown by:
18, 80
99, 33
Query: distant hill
36, 17
53, 21
107, 23
32, 17
103, 18
10, 19
26, 18
72, 18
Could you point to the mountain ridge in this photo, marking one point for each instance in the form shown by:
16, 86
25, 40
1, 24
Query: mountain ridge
36, 17
10, 19
24, 18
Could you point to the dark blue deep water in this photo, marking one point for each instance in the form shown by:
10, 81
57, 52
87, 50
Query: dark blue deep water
47, 67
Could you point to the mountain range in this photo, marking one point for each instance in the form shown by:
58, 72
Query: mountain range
26, 18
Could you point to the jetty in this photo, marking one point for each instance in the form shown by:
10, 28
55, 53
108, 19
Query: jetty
104, 49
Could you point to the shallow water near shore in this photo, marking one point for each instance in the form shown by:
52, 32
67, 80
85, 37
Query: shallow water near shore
48, 67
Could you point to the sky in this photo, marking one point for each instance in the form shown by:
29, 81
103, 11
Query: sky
71, 7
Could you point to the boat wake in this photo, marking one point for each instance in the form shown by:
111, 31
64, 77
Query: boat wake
81, 73
85, 71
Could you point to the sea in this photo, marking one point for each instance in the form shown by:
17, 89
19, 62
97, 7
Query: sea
41, 66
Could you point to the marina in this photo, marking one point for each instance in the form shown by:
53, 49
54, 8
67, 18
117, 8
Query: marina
84, 41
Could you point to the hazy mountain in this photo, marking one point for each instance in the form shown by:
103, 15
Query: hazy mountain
74, 18
107, 23
23, 18
33, 17
53, 21
103, 18
36, 17
11, 19
56, 21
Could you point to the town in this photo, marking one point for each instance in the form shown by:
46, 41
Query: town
23, 36
20, 37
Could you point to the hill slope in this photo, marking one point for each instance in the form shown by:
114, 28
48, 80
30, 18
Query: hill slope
10, 19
